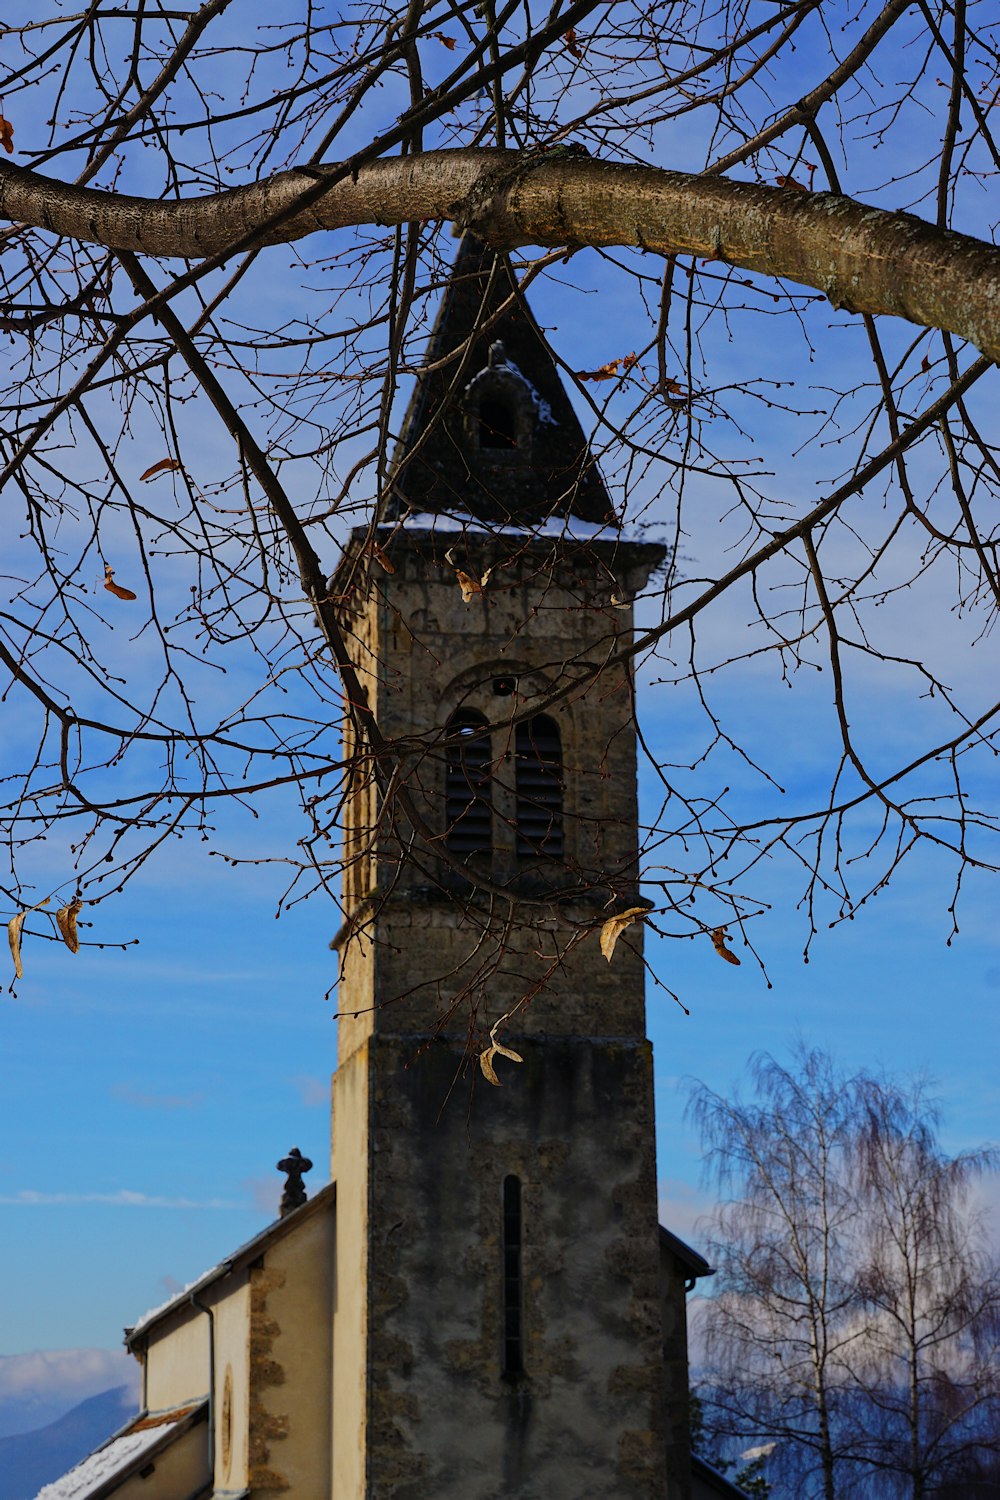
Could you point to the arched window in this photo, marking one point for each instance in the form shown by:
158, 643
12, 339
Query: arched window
468, 814
539, 787
513, 1329
497, 423
501, 411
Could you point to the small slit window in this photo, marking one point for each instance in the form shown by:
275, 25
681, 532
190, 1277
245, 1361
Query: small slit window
497, 423
539, 788
468, 813
513, 1332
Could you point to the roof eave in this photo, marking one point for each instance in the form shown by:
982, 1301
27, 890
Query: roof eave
136, 1338
696, 1264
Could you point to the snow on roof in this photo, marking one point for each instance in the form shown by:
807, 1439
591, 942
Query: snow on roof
239, 1258
177, 1297
762, 1450
569, 527
542, 407
118, 1455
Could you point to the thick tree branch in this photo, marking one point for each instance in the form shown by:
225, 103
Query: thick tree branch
864, 259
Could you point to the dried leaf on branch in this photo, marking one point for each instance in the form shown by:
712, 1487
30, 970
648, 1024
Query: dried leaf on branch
164, 466
471, 586
611, 369
616, 925
14, 938
6, 136
14, 927
719, 937
115, 588
496, 1049
66, 922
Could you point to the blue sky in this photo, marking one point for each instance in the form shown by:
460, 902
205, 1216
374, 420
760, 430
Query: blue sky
148, 1092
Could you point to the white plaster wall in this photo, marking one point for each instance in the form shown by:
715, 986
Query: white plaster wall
350, 1280
301, 1309
232, 1360
177, 1363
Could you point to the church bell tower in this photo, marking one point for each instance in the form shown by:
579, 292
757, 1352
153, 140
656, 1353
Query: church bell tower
497, 1325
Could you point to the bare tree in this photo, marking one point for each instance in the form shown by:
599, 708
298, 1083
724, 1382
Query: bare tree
929, 1366
779, 1329
224, 249
856, 1317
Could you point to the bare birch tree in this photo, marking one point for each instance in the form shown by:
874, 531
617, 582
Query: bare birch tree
226, 234
784, 1315
929, 1366
855, 1325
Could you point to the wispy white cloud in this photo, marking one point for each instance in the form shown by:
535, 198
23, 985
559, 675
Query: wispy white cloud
75, 1373
984, 1200
122, 1198
314, 1092
682, 1207
265, 1192
38, 1387
129, 1094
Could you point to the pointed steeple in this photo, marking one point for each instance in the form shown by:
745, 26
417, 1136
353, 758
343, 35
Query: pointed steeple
490, 432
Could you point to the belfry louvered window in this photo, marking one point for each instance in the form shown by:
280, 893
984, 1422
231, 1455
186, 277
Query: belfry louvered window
468, 813
539, 787
497, 423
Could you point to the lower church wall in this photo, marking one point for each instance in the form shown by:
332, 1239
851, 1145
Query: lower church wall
443, 1418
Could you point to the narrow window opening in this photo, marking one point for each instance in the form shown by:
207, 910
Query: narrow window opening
468, 815
497, 424
539, 788
513, 1333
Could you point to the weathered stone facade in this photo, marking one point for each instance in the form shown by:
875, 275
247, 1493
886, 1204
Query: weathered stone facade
430, 962
442, 1416
545, 618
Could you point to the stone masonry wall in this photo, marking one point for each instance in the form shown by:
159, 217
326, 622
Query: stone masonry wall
574, 1124
544, 619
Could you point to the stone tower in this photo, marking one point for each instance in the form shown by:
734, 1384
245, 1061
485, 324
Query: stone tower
497, 1328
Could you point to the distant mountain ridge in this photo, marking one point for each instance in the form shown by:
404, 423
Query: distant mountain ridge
41, 1385
29, 1460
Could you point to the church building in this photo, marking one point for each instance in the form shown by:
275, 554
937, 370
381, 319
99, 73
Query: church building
481, 1305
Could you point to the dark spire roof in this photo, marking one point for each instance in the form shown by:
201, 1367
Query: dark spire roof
490, 432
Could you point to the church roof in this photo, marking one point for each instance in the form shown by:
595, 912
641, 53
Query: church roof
236, 1262
137, 1444
708, 1481
696, 1264
490, 432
